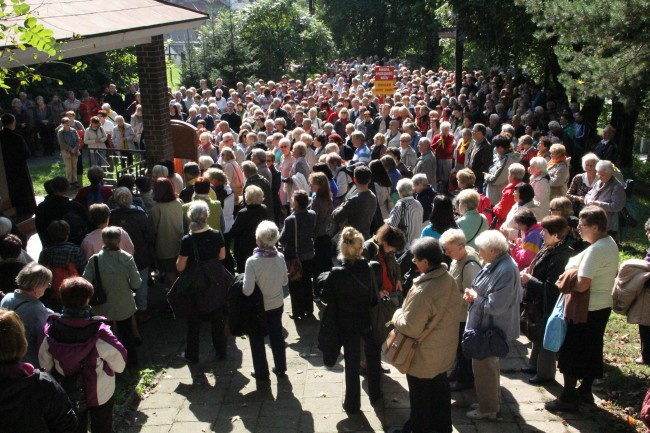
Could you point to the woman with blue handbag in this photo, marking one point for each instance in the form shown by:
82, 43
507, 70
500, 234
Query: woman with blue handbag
587, 310
495, 296
541, 293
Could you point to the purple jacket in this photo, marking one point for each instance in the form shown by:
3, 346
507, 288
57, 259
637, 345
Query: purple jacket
69, 342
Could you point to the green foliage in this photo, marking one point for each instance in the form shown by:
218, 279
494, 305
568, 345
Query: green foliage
265, 39
18, 30
384, 28
603, 46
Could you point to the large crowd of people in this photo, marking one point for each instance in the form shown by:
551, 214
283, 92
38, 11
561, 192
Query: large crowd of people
466, 209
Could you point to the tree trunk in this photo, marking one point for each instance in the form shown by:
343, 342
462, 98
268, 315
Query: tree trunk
591, 110
624, 119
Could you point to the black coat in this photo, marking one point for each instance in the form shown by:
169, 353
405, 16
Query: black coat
265, 186
246, 315
19, 182
541, 289
56, 207
243, 231
136, 223
35, 404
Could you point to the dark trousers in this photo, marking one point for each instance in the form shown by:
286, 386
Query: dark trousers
463, 370
323, 257
125, 334
352, 357
101, 419
217, 324
430, 405
302, 292
260, 364
644, 333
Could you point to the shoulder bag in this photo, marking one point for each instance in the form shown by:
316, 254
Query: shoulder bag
294, 266
99, 295
556, 327
484, 343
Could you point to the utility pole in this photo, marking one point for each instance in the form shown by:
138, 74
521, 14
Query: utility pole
460, 47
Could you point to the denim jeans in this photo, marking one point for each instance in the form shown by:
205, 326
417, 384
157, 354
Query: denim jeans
260, 364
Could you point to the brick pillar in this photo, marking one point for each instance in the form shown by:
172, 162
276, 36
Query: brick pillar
152, 71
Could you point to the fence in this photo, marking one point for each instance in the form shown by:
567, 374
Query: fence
117, 163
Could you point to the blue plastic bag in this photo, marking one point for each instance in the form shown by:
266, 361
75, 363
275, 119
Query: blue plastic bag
556, 326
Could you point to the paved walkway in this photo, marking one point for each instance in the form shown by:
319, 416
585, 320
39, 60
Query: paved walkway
220, 396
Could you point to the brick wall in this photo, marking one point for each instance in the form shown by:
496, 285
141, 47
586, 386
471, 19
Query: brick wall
153, 90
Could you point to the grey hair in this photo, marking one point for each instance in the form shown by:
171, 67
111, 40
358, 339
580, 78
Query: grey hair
605, 165
420, 179
453, 236
405, 187
554, 124
467, 199
302, 148
227, 154
267, 234
260, 154
517, 170
589, 157
123, 197
112, 236
249, 168
205, 162
492, 240
159, 171
198, 214
506, 127
445, 125
33, 276
254, 195
539, 163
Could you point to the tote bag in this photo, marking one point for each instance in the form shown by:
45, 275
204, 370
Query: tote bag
556, 326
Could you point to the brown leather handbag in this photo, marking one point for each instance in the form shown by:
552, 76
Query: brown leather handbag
294, 265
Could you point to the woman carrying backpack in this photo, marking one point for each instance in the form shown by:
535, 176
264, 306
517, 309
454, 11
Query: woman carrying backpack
82, 353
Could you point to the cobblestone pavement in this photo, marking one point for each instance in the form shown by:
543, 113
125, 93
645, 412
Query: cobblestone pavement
220, 396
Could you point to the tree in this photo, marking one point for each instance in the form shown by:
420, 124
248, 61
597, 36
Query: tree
285, 36
603, 50
20, 29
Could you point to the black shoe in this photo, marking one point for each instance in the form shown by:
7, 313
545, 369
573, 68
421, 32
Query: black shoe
536, 380
559, 405
528, 370
586, 397
459, 386
259, 379
279, 374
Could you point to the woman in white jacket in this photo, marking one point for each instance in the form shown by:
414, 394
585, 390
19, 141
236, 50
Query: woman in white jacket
95, 139
539, 180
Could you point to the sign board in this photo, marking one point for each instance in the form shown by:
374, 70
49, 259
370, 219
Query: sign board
447, 33
384, 80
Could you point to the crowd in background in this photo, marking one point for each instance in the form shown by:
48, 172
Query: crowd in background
465, 208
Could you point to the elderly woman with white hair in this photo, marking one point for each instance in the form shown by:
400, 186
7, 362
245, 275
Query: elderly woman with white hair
495, 296
516, 174
208, 245
582, 183
539, 180
465, 265
124, 140
407, 213
471, 222
608, 194
558, 171
267, 270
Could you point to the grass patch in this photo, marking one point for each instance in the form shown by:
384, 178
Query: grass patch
173, 76
42, 172
142, 381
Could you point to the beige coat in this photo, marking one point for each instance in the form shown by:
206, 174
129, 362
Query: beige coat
629, 293
432, 303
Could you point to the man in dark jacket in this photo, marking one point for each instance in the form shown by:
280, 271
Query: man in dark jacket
57, 206
15, 153
479, 156
358, 210
253, 178
115, 100
606, 149
233, 119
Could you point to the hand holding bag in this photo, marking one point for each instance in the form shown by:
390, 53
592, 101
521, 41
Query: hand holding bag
556, 327
483, 343
294, 266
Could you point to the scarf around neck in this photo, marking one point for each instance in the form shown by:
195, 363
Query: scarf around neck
265, 252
